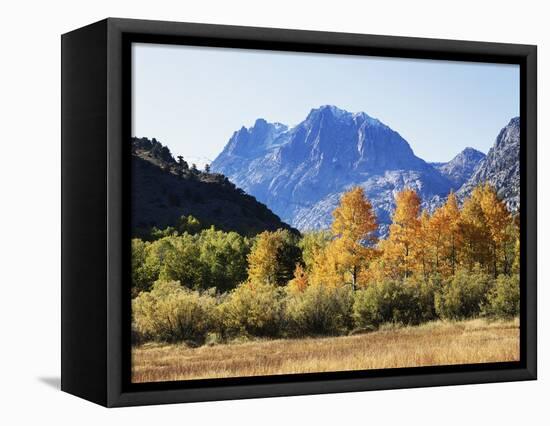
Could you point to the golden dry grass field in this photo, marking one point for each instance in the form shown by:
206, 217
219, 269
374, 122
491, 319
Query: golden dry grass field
436, 343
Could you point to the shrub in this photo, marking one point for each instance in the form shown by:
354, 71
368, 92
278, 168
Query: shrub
366, 307
425, 294
464, 295
319, 310
503, 298
170, 312
407, 302
253, 308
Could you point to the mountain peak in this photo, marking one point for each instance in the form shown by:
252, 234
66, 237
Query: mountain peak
471, 151
462, 166
340, 114
514, 121
328, 110
313, 162
331, 108
468, 154
260, 123
249, 142
500, 167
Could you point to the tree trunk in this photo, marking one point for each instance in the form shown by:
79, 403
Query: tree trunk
453, 254
495, 258
406, 260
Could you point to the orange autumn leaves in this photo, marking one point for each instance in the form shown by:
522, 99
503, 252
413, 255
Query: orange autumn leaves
354, 228
482, 232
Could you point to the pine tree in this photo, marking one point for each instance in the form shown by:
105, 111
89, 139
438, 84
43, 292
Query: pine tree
182, 163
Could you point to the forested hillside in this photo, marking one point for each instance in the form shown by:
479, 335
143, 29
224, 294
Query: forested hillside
165, 191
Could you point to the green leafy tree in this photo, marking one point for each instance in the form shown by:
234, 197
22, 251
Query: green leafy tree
189, 224
157, 233
140, 279
181, 261
312, 244
147, 263
224, 258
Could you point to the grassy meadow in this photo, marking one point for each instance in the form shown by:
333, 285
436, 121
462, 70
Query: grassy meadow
429, 344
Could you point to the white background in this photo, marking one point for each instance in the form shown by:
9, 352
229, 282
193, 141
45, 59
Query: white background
30, 210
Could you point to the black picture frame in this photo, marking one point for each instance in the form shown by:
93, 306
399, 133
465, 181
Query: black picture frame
96, 114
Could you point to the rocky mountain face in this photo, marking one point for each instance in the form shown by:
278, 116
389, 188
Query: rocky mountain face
163, 190
301, 172
461, 167
500, 168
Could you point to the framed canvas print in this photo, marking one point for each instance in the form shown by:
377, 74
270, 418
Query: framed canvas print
252, 212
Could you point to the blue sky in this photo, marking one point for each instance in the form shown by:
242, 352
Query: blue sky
193, 98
